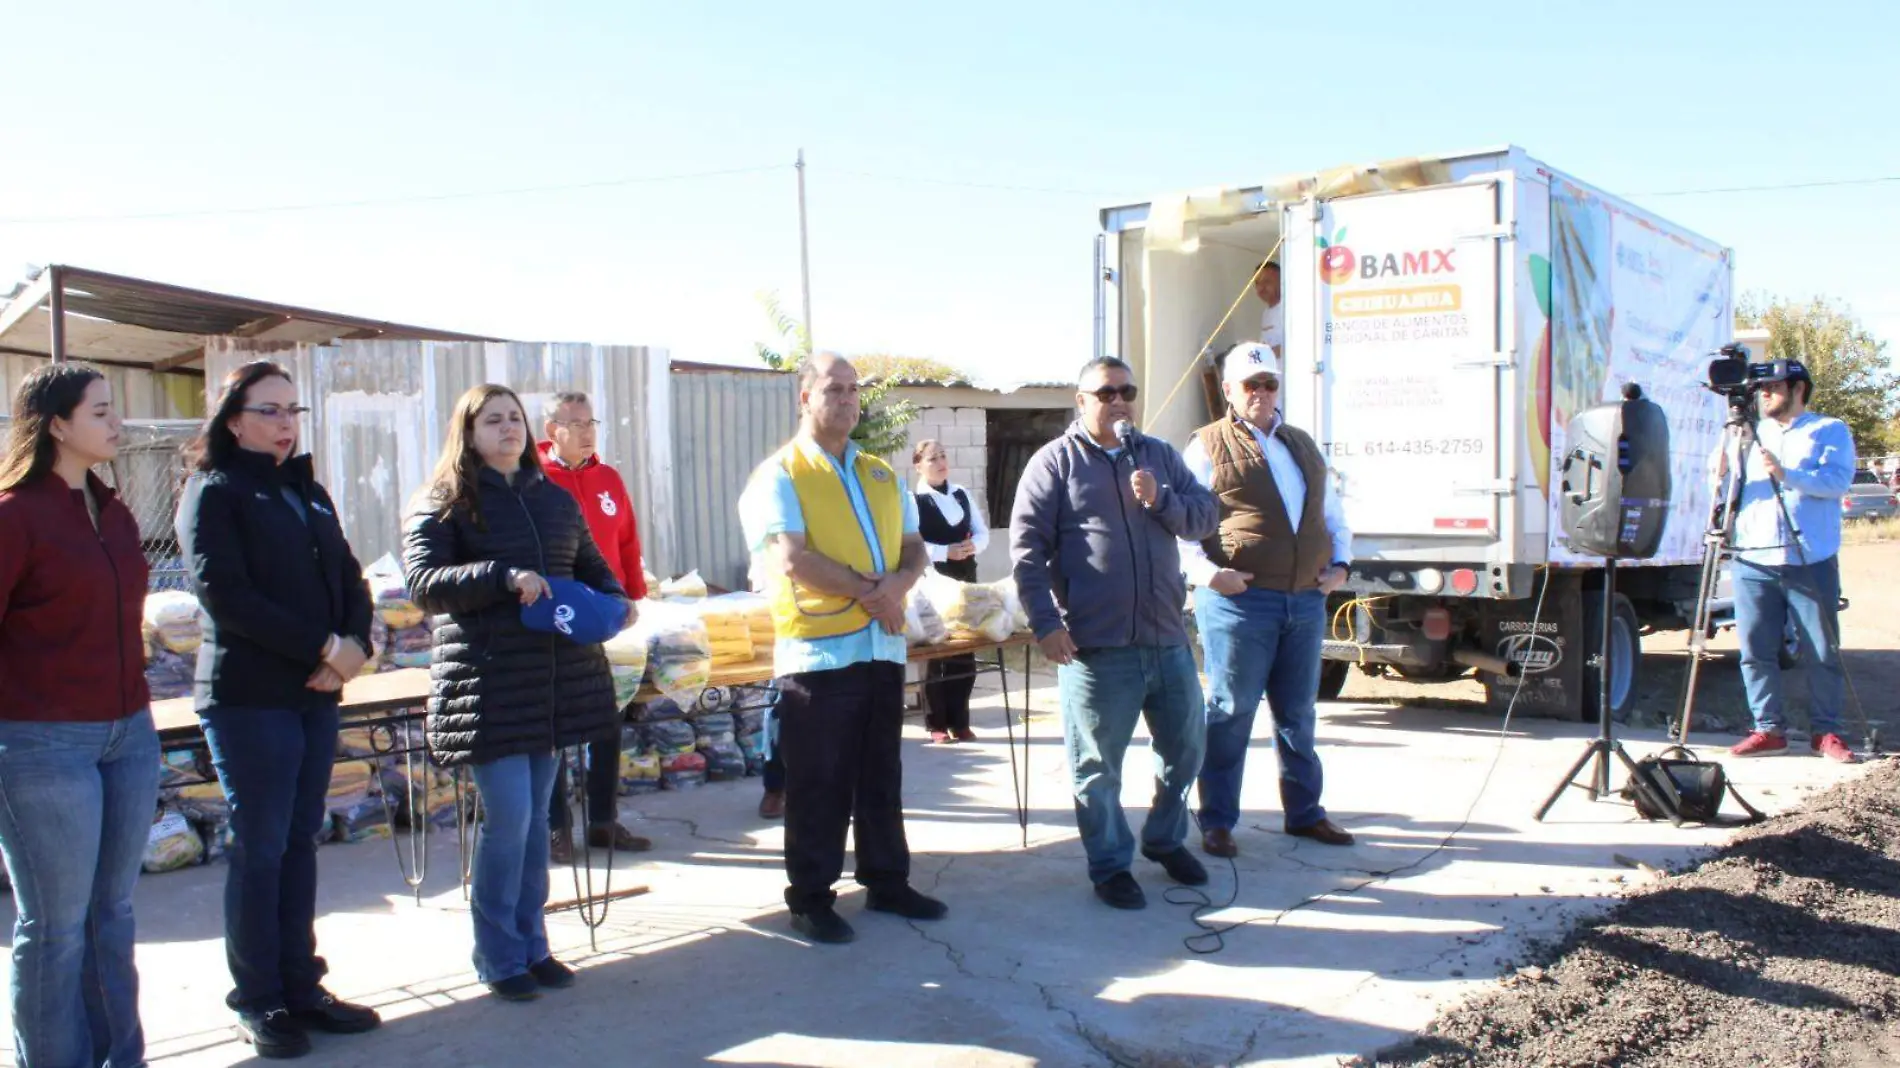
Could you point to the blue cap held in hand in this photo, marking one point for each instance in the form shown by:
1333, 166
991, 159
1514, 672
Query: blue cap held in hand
577, 612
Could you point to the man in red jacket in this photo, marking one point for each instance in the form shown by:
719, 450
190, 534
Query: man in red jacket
568, 457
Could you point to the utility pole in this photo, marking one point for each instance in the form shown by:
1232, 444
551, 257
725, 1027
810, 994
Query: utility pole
804, 249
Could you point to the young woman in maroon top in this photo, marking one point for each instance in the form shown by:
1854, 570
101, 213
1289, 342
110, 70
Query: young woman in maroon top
78, 752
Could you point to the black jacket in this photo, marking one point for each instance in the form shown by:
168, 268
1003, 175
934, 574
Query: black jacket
273, 586
499, 689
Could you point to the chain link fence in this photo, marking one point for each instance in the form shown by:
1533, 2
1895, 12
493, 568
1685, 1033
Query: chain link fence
148, 474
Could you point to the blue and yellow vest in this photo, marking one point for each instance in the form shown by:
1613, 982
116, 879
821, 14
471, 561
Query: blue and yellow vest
832, 530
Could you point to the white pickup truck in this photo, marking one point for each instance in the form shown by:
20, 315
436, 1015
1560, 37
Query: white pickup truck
1443, 320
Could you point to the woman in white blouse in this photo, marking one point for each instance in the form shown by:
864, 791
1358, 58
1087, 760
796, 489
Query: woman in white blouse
954, 533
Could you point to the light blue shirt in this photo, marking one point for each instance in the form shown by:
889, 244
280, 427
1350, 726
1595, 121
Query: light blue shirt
769, 506
1292, 485
1816, 453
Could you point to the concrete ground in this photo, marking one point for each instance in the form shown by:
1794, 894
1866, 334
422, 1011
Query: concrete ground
1029, 969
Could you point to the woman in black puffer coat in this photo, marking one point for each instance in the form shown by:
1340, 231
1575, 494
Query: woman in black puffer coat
503, 698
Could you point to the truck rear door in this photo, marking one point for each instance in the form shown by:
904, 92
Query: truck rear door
1403, 308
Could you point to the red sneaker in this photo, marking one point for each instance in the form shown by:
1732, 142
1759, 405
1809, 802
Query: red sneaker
1831, 747
1760, 743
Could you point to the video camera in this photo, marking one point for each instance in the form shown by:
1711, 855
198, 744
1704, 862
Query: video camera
1733, 377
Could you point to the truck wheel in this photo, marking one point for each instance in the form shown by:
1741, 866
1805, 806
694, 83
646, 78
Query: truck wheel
1626, 655
1332, 678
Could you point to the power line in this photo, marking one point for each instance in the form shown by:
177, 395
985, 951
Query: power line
1773, 187
915, 180
367, 202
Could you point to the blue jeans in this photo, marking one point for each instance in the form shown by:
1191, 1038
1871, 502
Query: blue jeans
274, 765
1103, 692
509, 885
1765, 596
76, 806
1261, 642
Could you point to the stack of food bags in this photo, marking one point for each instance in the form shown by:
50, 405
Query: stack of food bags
727, 630
679, 654
971, 611
408, 640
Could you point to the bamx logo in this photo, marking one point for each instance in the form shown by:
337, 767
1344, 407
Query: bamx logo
1338, 263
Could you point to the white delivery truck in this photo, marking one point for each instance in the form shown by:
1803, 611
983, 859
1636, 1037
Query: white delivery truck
1443, 320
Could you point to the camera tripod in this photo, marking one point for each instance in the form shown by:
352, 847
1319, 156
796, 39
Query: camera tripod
1717, 542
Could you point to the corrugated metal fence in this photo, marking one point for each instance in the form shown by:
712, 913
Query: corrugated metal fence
380, 410
724, 424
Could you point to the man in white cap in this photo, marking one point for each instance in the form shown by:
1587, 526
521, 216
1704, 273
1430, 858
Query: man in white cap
1261, 583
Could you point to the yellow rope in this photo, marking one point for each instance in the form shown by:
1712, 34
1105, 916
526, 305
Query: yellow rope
1195, 364
1348, 635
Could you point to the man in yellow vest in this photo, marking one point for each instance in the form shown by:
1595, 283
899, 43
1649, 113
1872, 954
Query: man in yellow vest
837, 531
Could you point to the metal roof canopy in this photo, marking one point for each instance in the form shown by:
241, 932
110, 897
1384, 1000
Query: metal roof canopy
72, 313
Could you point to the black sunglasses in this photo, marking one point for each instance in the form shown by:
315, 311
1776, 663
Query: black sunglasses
1107, 394
1262, 384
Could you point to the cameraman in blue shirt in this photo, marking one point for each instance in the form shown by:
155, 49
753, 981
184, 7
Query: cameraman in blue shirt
1796, 465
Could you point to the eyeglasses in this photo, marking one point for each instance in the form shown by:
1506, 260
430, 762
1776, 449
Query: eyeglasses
1108, 394
578, 424
1262, 384
276, 411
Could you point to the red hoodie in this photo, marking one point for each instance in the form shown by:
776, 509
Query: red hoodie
72, 602
609, 513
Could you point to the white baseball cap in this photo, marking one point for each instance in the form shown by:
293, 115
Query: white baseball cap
1246, 360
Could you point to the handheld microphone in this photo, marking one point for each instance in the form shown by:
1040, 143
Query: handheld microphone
1125, 433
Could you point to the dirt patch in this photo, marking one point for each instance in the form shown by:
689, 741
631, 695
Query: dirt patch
1783, 948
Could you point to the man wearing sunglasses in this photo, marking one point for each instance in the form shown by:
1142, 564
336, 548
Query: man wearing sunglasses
1260, 600
1094, 538
571, 463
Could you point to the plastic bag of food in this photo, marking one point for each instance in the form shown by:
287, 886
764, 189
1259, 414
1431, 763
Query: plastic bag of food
964, 606
1005, 588
410, 647
626, 684
201, 802
179, 767
172, 620
217, 838
682, 772
654, 709
922, 624
725, 761
169, 674
639, 772
687, 587
679, 656
627, 649
360, 820
172, 843
671, 737
389, 594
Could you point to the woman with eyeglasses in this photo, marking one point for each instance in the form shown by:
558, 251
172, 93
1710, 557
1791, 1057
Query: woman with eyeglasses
482, 543
78, 753
955, 535
288, 624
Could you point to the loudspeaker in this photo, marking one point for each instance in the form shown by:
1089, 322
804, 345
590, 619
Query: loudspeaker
1616, 478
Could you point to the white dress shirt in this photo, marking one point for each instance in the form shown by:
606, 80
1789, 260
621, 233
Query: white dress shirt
1273, 326
1292, 485
952, 512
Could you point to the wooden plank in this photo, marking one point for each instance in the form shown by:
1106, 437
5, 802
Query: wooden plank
27, 302
409, 687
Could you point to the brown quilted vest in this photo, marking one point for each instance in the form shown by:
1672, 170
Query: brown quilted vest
1255, 533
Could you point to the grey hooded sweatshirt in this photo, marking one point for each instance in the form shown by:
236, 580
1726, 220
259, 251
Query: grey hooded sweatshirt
1089, 557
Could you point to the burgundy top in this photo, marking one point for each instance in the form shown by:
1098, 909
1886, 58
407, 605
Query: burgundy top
72, 600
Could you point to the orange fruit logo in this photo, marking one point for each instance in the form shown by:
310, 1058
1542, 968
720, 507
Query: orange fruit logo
1335, 259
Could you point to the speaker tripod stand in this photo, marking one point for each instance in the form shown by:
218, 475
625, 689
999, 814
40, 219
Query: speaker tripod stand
1605, 745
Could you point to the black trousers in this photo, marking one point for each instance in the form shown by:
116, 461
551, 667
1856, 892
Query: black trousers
947, 700
603, 787
839, 735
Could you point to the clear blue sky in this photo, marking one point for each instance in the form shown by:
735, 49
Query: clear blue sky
113, 109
